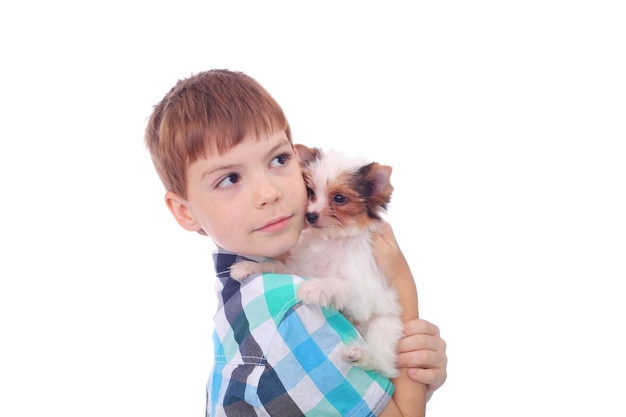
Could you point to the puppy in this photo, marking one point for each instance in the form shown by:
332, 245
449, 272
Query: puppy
346, 199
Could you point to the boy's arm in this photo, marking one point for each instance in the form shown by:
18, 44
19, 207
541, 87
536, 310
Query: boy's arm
409, 398
421, 349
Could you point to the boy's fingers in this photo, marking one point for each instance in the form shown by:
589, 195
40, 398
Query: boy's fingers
423, 358
420, 326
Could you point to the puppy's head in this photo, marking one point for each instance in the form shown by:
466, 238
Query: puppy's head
346, 195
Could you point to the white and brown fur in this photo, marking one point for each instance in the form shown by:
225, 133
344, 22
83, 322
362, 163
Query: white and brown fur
346, 199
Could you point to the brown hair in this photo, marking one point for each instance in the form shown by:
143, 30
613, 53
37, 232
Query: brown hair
207, 113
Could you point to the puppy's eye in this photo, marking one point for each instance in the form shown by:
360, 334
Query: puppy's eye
339, 199
310, 193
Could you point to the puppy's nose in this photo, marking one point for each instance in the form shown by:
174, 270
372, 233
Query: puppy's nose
311, 217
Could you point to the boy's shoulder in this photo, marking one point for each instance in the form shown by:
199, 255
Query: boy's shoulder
274, 294
251, 314
259, 297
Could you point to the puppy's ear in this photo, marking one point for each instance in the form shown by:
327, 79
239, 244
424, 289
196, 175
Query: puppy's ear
306, 154
378, 176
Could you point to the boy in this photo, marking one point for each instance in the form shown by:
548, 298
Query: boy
223, 149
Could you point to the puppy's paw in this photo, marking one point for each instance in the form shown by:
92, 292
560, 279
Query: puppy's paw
352, 353
360, 356
242, 269
313, 292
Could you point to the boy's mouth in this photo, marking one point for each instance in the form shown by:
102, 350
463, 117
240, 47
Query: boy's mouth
275, 225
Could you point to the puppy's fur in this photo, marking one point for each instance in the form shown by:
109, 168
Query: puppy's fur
346, 198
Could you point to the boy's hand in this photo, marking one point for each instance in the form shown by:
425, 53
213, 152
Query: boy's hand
424, 351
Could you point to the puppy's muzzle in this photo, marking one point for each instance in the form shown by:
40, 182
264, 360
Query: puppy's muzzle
311, 217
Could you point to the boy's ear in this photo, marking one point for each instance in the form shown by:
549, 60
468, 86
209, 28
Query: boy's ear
181, 212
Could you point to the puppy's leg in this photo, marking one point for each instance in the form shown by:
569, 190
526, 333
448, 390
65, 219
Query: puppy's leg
242, 269
313, 291
324, 292
379, 352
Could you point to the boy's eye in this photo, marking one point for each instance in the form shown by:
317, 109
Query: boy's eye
339, 199
281, 159
228, 180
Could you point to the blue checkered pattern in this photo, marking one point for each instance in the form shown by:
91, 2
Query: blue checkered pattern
275, 356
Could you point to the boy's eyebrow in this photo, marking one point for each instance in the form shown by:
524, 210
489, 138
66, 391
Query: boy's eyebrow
219, 168
279, 145
274, 149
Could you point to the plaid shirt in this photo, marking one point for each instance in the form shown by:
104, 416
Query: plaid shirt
275, 356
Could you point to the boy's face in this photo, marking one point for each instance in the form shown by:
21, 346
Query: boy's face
250, 200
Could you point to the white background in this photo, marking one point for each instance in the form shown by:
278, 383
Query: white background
505, 124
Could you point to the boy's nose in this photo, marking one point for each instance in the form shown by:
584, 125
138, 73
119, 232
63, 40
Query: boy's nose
267, 192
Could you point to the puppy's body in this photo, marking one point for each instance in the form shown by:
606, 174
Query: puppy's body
346, 198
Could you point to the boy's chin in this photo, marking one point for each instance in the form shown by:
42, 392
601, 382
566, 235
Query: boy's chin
279, 251
281, 257
278, 254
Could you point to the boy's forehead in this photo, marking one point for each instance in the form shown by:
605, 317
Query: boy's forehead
257, 144
250, 145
